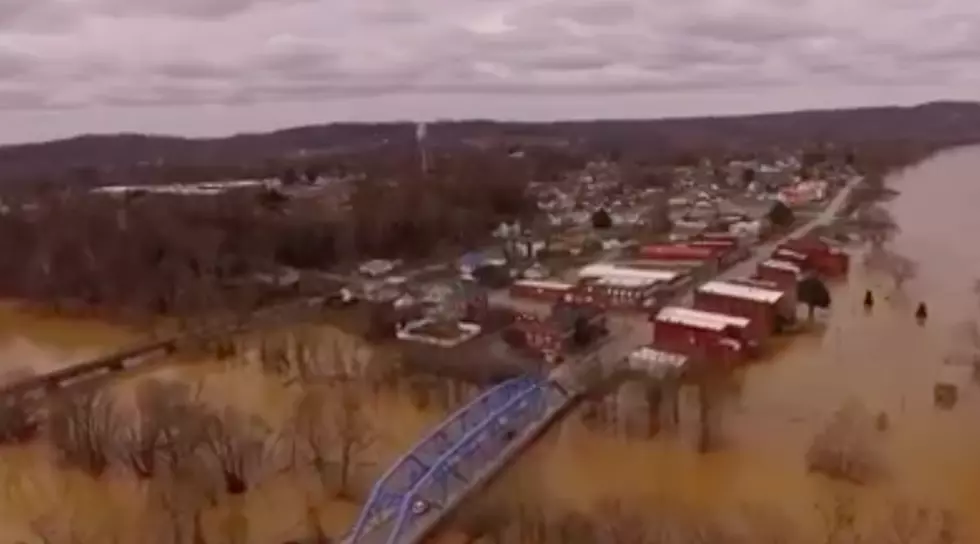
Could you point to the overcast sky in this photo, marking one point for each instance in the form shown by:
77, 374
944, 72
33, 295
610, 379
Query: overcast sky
213, 67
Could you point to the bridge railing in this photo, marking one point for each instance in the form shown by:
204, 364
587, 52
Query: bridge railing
457, 468
389, 492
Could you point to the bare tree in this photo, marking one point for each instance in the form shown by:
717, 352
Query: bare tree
912, 524
352, 432
56, 528
311, 433
620, 525
18, 422
81, 428
844, 450
839, 519
274, 357
238, 447
169, 426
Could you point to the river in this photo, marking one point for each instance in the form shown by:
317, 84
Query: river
884, 360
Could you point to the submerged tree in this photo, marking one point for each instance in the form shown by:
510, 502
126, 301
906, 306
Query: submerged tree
814, 293
601, 219
238, 447
844, 448
82, 427
781, 215
311, 434
168, 426
351, 430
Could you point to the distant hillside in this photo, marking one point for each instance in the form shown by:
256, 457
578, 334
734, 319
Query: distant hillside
939, 123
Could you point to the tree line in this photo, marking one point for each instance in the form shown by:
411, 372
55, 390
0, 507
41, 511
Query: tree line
173, 254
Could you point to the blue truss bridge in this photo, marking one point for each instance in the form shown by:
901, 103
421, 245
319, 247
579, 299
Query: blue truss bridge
457, 458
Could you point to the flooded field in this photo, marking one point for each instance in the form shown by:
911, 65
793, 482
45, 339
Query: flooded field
884, 361
38, 492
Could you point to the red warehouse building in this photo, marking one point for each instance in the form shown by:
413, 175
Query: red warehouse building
546, 291
787, 305
766, 309
824, 258
700, 335
785, 274
728, 251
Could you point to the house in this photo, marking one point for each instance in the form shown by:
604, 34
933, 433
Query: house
700, 335
766, 309
377, 268
471, 261
559, 332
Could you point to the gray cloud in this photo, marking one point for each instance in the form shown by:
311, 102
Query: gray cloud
90, 54
183, 8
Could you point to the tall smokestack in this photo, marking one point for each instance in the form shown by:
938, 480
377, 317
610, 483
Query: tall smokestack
420, 133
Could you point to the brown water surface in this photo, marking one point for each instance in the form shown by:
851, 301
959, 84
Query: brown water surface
30, 341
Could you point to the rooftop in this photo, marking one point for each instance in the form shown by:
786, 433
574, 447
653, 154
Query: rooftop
678, 250
603, 270
782, 265
700, 319
790, 253
623, 281
745, 292
656, 362
544, 284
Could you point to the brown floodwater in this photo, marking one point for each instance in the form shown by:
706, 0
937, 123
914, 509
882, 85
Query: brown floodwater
35, 487
33, 342
884, 361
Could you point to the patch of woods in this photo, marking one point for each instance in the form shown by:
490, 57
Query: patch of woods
181, 255
292, 420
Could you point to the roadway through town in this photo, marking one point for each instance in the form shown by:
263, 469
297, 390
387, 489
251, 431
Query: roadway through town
763, 251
